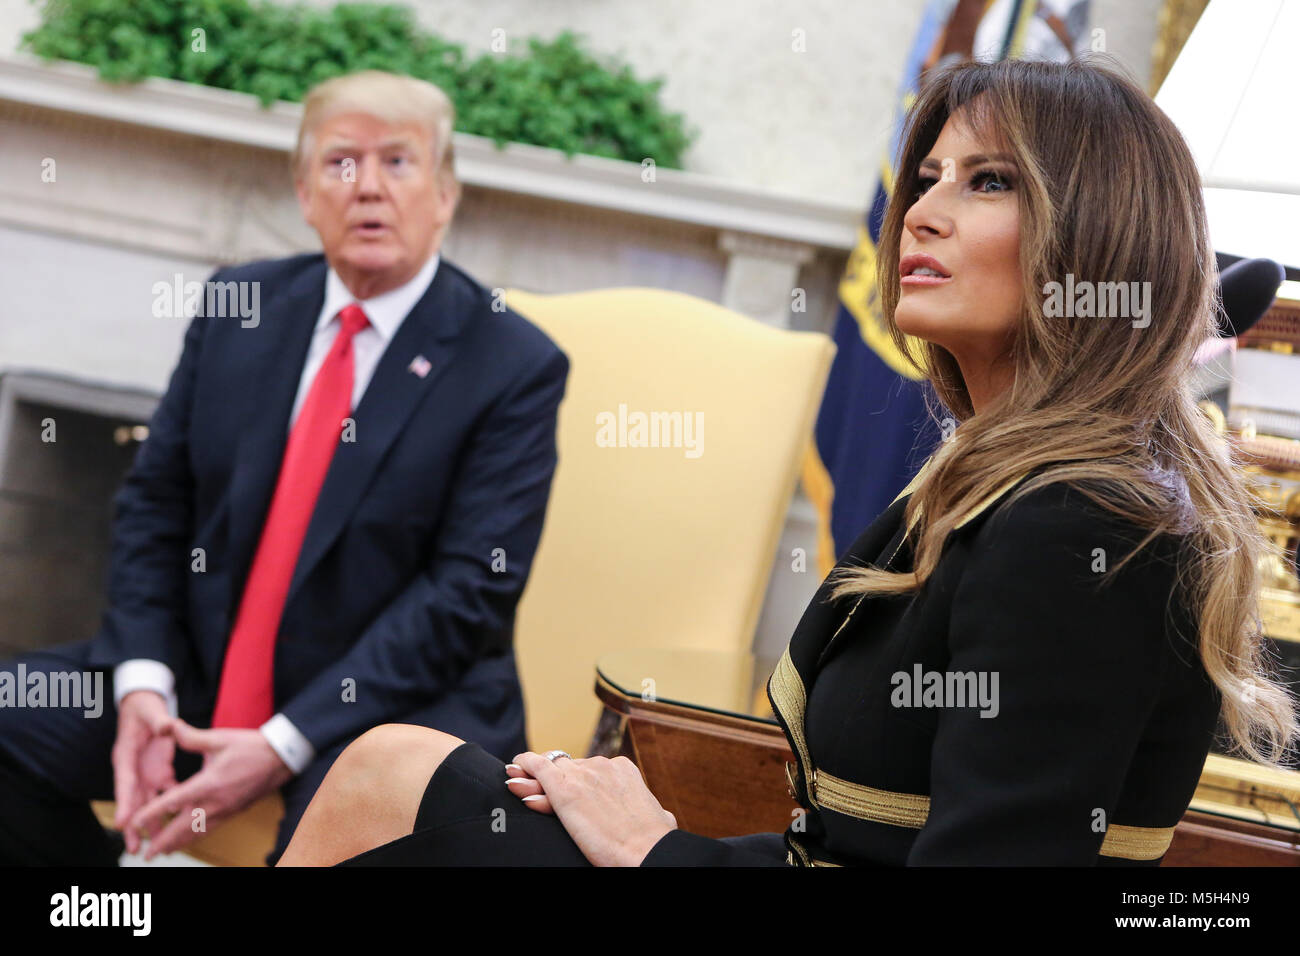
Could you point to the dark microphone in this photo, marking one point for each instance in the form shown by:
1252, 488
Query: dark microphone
1247, 288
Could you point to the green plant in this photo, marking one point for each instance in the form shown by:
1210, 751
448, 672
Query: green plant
548, 93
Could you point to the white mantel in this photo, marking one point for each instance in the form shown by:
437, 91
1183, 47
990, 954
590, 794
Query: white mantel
611, 185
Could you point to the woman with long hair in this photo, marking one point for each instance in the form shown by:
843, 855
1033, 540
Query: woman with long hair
1022, 660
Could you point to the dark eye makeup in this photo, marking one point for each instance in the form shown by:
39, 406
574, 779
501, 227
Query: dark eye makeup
1003, 182
987, 176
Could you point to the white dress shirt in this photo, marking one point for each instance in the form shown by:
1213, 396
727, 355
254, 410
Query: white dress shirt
386, 313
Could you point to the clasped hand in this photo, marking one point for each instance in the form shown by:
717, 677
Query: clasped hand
604, 804
238, 767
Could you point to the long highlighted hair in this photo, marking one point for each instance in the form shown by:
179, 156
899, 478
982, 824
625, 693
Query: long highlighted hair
1108, 191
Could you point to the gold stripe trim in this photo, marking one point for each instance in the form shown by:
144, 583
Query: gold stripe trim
803, 854
974, 512
868, 803
804, 858
848, 617
984, 505
788, 696
912, 809
911, 487
916, 479
1136, 843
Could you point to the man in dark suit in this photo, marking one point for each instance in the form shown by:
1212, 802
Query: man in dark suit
329, 525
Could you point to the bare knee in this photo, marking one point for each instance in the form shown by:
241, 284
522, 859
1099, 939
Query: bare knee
387, 752
371, 794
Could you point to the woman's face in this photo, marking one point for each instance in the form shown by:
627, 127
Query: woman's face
966, 220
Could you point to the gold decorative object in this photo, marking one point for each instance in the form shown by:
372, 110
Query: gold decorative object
1248, 791
1177, 18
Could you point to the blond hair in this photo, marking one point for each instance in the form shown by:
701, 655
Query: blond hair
391, 97
1107, 190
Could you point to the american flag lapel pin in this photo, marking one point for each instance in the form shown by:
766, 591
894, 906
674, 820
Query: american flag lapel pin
420, 366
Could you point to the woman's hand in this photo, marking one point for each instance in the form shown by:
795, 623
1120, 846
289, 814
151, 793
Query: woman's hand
604, 804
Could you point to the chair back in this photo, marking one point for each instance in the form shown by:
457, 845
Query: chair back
680, 439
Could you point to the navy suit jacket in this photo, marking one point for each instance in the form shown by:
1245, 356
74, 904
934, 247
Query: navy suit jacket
402, 602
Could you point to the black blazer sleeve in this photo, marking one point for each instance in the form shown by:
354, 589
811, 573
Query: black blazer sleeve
1079, 666
680, 848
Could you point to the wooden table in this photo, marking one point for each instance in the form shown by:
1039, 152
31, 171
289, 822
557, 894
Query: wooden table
699, 726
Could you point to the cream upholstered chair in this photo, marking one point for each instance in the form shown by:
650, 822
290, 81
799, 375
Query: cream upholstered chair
654, 546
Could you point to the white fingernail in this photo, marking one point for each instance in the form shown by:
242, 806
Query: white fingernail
514, 766
536, 796
517, 780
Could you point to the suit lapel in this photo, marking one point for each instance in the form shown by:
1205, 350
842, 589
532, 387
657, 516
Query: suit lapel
387, 403
277, 349
823, 617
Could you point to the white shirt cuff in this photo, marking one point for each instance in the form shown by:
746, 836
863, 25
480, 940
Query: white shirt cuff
142, 674
288, 743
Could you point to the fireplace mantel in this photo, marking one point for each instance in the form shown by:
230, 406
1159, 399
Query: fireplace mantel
613, 185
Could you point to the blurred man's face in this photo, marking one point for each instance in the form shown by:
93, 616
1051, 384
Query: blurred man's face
372, 192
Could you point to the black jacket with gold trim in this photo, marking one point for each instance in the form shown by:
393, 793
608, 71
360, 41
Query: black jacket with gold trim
1086, 717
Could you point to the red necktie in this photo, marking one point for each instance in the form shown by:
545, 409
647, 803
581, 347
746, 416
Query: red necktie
244, 697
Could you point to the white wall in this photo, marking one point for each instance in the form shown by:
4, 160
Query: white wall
81, 308
812, 123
